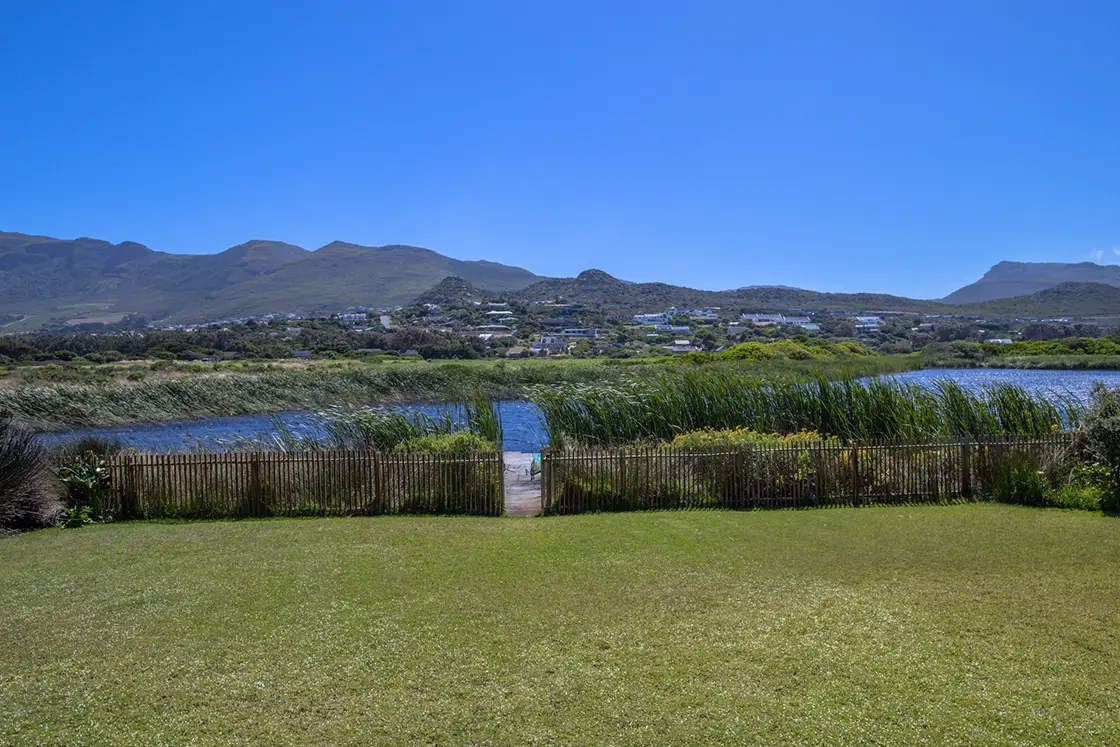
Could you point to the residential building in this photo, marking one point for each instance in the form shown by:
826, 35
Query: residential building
585, 332
868, 323
764, 319
549, 346
681, 346
651, 319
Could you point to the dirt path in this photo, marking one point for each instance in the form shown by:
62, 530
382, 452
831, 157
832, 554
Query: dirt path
523, 496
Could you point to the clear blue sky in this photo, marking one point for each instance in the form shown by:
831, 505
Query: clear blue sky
895, 146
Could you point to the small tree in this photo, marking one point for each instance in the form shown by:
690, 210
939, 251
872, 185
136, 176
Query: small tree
1101, 426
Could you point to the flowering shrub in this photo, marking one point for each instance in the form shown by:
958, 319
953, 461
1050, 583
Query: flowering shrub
739, 437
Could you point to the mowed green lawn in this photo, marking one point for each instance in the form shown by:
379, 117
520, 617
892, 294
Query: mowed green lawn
970, 624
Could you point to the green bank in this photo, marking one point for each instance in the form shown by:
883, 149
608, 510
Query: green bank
977, 624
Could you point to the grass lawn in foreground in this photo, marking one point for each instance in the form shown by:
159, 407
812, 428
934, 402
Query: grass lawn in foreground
970, 623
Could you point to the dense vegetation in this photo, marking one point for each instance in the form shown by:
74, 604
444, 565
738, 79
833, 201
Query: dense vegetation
877, 409
324, 338
191, 391
1058, 353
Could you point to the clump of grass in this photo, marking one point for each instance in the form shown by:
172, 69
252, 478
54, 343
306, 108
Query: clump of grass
29, 496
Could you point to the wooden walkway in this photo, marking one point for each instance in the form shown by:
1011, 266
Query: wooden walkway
523, 496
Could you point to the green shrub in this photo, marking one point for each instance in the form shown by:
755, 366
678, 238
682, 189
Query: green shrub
86, 481
738, 437
1101, 426
1017, 479
447, 444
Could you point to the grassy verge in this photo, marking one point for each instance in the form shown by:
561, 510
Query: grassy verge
192, 391
971, 624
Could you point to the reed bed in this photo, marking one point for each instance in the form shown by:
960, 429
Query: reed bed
50, 405
472, 424
876, 408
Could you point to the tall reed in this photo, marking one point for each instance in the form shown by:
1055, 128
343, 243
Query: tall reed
877, 408
379, 428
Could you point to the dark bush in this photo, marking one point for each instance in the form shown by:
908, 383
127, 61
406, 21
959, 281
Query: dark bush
30, 497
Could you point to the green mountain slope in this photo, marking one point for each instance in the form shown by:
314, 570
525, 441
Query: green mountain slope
342, 274
1011, 279
598, 286
43, 277
40, 275
1064, 300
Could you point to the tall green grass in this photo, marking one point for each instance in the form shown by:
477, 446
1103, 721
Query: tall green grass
877, 408
47, 406
383, 429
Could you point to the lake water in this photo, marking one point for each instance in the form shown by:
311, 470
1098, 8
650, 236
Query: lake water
1074, 383
521, 421
521, 426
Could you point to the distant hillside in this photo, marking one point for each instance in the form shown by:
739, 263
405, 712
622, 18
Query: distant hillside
341, 274
44, 276
1084, 300
449, 290
1011, 279
596, 285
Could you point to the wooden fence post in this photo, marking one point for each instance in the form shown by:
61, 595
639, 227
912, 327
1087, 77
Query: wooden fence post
966, 470
255, 499
546, 481
854, 459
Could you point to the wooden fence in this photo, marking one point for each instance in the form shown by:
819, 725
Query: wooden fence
309, 483
630, 478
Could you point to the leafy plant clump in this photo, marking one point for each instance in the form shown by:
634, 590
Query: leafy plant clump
790, 350
462, 443
1101, 427
85, 479
740, 437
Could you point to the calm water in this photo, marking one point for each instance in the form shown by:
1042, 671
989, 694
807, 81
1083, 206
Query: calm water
521, 426
1074, 383
521, 421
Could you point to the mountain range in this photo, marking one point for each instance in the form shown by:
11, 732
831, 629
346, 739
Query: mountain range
43, 278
